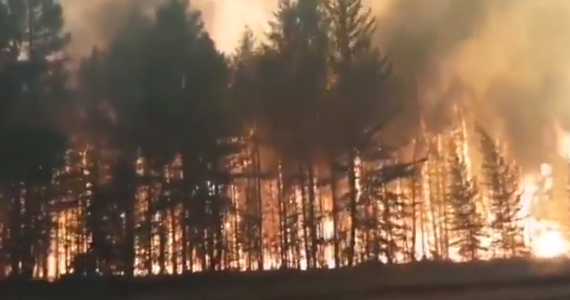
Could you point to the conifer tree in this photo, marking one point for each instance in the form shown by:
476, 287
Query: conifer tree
500, 181
32, 42
293, 79
467, 223
357, 90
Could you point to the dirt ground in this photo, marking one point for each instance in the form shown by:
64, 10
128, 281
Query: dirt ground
496, 280
500, 280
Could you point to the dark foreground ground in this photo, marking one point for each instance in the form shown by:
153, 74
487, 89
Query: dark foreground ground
500, 280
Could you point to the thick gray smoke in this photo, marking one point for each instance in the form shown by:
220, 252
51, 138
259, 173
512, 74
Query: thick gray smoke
507, 61
97, 21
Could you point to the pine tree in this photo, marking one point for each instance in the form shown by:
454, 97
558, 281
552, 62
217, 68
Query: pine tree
243, 92
293, 69
164, 86
382, 211
500, 179
467, 223
353, 100
196, 103
33, 146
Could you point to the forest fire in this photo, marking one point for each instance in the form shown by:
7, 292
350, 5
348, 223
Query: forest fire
550, 244
544, 235
328, 143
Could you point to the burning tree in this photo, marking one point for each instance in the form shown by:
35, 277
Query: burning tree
501, 185
467, 222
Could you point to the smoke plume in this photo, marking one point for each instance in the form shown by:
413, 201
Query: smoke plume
506, 61
96, 22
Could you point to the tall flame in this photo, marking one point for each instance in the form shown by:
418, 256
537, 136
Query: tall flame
544, 237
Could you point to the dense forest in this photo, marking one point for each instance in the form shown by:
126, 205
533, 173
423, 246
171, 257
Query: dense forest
159, 154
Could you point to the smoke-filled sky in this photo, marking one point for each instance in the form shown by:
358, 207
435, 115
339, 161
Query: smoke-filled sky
508, 60
95, 21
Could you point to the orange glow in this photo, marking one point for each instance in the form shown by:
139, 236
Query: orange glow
550, 244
